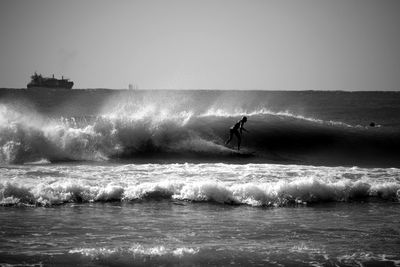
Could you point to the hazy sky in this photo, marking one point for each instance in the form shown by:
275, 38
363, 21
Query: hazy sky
221, 44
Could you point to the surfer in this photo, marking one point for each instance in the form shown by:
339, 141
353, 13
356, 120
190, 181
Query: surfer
237, 130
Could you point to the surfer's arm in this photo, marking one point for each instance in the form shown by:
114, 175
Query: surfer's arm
243, 129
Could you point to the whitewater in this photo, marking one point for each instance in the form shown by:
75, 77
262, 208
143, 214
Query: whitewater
122, 178
267, 185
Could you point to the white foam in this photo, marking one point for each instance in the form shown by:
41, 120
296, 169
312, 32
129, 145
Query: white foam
206, 191
385, 190
150, 190
252, 184
136, 250
361, 257
39, 162
109, 193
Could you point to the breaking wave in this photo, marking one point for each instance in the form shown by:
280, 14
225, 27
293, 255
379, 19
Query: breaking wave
174, 130
23, 139
302, 191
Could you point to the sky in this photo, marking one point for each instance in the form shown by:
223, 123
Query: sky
203, 44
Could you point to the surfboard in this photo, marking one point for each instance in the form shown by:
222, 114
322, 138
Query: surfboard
243, 152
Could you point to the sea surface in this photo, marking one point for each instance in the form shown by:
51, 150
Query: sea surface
143, 178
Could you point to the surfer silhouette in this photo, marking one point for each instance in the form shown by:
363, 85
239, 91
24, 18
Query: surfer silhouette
237, 130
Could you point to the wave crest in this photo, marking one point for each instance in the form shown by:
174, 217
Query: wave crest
216, 112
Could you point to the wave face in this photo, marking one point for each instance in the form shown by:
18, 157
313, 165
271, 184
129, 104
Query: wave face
251, 184
176, 126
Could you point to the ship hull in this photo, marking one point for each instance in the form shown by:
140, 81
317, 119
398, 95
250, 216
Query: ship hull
38, 87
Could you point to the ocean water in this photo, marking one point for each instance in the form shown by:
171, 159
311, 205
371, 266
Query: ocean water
138, 178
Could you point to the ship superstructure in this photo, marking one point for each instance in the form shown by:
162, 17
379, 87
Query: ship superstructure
38, 81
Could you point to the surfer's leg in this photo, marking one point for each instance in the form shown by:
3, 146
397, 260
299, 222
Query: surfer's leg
239, 138
230, 137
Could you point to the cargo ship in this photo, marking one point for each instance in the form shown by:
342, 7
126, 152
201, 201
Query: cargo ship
38, 81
